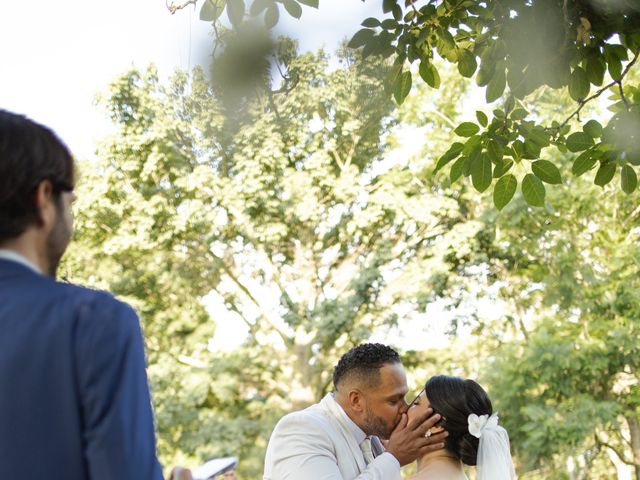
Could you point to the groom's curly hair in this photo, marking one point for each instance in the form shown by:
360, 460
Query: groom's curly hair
454, 398
363, 363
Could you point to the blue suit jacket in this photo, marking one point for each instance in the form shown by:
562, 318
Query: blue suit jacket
74, 398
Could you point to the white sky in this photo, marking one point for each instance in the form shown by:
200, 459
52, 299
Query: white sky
56, 55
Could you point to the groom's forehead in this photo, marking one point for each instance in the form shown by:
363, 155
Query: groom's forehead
393, 378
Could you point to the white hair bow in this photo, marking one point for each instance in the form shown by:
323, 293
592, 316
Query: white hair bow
477, 424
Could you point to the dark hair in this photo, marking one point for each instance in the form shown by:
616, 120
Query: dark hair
455, 399
29, 154
363, 363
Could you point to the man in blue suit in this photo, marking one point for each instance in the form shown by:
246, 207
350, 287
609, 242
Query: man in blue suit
74, 398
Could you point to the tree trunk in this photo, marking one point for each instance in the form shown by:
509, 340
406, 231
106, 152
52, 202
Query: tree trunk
634, 429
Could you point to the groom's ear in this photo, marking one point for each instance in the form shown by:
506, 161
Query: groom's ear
356, 400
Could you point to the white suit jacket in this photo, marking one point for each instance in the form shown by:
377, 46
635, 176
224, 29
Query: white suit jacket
317, 444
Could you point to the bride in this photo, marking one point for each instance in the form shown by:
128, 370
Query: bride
475, 438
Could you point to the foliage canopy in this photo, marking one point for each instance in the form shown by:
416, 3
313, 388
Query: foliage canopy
516, 49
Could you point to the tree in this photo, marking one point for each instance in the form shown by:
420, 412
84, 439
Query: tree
517, 49
279, 205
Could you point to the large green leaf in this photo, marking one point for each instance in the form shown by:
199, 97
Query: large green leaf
467, 129
579, 141
495, 151
593, 129
504, 190
387, 5
361, 37
272, 16
578, 84
456, 169
402, 87
481, 174
583, 163
596, 68
450, 154
258, 6
429, 74
210, 11
628, 179
605, 174
293, 7
546, 171
533, 190
496, 86
235, 11
467, 63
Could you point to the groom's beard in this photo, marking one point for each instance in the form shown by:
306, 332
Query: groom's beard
374, 425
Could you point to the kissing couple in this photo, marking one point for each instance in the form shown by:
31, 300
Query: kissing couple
366, 430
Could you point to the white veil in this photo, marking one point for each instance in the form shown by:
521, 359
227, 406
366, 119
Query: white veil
494, 452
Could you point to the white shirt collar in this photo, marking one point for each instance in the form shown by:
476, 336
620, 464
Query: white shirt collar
355, 430
10, 255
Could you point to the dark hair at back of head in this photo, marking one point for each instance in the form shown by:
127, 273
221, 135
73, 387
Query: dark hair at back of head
455, 399
363, 364
29, 154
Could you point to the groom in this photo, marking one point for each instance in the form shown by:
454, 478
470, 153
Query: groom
339, 438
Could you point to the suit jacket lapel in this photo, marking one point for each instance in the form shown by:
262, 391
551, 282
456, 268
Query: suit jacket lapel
336, 412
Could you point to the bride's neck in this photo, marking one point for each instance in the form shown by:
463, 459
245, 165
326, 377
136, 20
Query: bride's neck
439, 456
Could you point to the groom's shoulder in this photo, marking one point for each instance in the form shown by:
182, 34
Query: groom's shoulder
310, 419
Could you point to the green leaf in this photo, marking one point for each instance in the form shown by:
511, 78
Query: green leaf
397, 12
533, 190
456, 169
583, 163
576, 142
482, 118
546, 171
429, 74
502, 167
258, 6
481, 174
519, 114
235, 11
495, 151
467, 129
450, 154
628, 179
504, 190
539, 136
615, 68
272, 16
593, 129
361, 37
387, 5
210, 11
310, 3
371, 22
605, 174
467, 63
578, 84
596, 69
293, 7
496, 86
402, 87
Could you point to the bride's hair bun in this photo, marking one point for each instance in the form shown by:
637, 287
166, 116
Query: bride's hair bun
455, 398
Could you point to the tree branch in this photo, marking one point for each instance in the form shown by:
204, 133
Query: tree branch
602, 90
174, 8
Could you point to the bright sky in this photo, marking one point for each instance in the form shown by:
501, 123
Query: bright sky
56, 56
